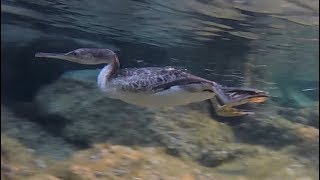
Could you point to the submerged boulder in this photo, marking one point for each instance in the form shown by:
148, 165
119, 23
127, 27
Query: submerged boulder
110, 161
307, 116
33, 135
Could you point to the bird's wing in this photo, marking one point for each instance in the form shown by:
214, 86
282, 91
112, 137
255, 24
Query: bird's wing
154, 79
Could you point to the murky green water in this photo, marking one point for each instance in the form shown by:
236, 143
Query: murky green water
269, 45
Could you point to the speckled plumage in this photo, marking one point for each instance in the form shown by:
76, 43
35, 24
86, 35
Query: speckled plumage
154, 79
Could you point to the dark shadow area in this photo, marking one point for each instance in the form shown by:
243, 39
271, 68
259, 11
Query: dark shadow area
249, 130
22, 75
51, 123
258, 133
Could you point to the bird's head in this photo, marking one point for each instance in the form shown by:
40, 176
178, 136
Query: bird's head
90, 56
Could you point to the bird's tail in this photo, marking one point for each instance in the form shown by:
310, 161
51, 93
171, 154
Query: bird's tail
228, 98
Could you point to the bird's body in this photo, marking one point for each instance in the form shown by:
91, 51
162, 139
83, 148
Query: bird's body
160, 86
155, 86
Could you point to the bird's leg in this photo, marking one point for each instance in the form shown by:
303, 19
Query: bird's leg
224, 107
227, 111
223, 98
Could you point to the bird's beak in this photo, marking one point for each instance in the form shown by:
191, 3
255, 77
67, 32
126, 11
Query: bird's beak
62, 56
51, 55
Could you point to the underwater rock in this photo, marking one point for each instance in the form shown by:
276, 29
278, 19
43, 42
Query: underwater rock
276, 132
308, 133
17, 162
311, 114
33, 135
109, 161
103, 161
190, 132
215, 158
307, 116
308, 149
90, 117
120, 162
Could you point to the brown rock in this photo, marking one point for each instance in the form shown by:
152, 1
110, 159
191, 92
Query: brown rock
308, 133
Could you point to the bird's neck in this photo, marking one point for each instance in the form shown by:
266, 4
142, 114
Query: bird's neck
106, 72
114, 67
